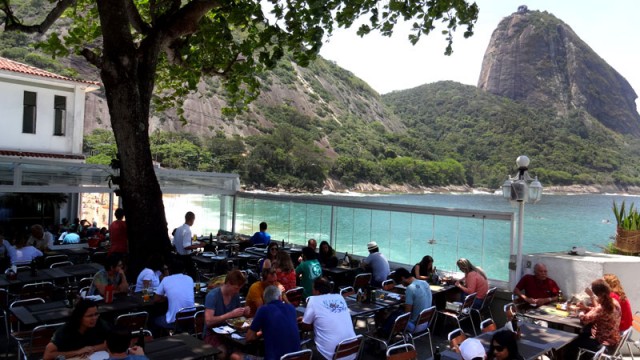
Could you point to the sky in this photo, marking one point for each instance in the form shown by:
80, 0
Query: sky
388, 64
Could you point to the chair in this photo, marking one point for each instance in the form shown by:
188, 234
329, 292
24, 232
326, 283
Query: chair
185, 319
61, 264
636, 325
388, 285
391, 274
12, 319
42, 290
427, 317
133, 321
486, 304
456, 337
84, 282
298, 355
349, 347
402, 352
488, 326
397, 331
361, 281
463, 313
198, 324
37, 341
348, 291
615, 352
295, 295
98, 257
54, 259
84, 291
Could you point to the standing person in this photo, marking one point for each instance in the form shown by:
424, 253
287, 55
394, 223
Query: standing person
183, 242
285, 271
475, 281
177, 289
118, 235
327, 256
328, 316
40, 238
261, 237
309, 270
537, 289
82, 335
424, 270
377, 264
504, 346
277, 322
222, 304
112, 274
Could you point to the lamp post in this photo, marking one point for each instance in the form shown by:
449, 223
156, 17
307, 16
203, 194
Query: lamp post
521, 189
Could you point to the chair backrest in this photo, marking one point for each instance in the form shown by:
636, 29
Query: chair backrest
84, 291
349, 347
185, 318
42, 290
23, 268
61, 264
198, 324
488, 326
399, 325
133, 321
391, 274
98, 257
294, 296
456, 337
426, 315
388, 284
510, 311
298, 355
486, 303
402, 352
636, 321
40, 337
348, 291
361, 281
623, 340
54, 259
86, 281
468, 301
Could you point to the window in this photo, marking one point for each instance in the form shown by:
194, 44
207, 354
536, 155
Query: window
29, 113
60, 117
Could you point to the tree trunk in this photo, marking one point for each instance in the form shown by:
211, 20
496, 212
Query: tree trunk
128, 75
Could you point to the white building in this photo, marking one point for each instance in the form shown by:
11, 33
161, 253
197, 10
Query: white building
41, 113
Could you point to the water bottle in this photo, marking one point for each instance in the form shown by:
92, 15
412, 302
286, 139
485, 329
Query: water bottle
347, 260
436, 354
282, 247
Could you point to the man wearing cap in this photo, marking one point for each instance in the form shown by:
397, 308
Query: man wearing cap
472, 349
377, 263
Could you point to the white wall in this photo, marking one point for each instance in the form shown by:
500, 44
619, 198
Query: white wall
12, 88
574, 273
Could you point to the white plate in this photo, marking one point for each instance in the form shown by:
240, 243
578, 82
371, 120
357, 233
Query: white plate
209, 254
224, 330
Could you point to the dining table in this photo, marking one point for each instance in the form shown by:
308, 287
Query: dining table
554, 317
179, 347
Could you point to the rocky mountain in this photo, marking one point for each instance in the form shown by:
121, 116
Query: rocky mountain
536, 58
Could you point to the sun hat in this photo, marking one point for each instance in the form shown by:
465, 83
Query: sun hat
372, 245
472, 349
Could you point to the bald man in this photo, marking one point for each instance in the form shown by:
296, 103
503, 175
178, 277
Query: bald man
537, 289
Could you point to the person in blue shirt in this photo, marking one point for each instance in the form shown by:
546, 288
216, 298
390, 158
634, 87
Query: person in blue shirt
118, 341
262, 237
279, 325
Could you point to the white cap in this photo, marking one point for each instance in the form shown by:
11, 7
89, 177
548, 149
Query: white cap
471, 349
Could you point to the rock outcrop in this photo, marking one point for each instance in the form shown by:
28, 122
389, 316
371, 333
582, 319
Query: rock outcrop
536, 58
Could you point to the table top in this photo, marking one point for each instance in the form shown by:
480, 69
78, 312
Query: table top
535, 340
179, 347
88, 269
25, 277
550, 314
338, 270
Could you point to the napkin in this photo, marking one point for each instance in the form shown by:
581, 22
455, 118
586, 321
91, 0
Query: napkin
94, 297
237, 337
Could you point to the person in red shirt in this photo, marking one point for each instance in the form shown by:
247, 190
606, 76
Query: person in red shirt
537, 289
118, 235
617, 293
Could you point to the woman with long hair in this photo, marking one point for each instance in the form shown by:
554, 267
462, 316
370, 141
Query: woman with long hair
82, 335
504, 346
327, 256
475, 281
285, 270
272, 252
603, 319
424, 270
617, 293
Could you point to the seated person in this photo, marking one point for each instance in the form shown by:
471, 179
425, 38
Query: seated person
424, 270
40, 238
118, 341
222, 304
537, 289
71, 237
285, 270
177, 289
418, 297
475, 281
151, 275
112, 274
504, 346
254, 297
272, 253
82, 335
308, 270
377, 264
472, 349
327, 256
22, 253
261, 237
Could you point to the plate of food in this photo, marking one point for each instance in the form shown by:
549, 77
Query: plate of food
239, 323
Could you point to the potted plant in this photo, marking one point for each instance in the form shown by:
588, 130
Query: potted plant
628, 230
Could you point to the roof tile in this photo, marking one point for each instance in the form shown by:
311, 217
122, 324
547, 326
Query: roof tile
14, 66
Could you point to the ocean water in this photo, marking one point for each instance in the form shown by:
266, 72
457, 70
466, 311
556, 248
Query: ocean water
556, 223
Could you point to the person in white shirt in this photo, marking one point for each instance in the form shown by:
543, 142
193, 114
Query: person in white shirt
24, 253
151, 275
40, 238
328, 315
184, 244
177, 289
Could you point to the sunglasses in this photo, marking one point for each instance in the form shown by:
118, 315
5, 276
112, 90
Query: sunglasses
498, 348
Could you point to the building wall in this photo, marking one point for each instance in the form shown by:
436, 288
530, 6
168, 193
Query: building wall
12, 90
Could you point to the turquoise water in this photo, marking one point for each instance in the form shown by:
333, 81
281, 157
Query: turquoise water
556, 223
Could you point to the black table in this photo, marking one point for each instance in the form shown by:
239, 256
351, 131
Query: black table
179, 347
82, 270
557, 319
341, 276
535, 340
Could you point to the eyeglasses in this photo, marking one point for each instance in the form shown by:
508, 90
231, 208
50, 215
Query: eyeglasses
498, 348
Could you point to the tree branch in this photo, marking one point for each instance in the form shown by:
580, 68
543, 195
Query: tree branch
92, 57
136, 20
13, 24
185, 21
